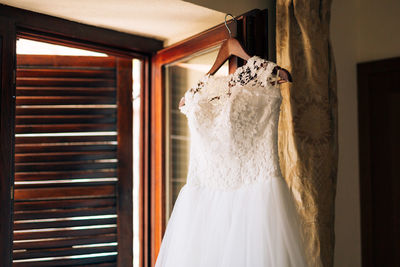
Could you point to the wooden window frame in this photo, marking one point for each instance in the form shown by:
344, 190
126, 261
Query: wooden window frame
15, 22
252, 31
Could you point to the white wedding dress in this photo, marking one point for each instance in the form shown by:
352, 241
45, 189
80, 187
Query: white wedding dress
235, 209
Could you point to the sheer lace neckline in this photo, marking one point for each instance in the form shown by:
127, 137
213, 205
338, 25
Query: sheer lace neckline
255, 75
256, 70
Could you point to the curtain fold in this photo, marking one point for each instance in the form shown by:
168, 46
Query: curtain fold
308, 143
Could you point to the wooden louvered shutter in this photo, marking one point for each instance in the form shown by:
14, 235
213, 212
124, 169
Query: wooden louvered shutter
73, 160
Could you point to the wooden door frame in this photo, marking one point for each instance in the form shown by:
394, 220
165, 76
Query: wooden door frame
364, 70
17, 22
251, 24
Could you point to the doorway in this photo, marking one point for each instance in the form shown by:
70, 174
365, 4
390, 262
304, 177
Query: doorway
379, 131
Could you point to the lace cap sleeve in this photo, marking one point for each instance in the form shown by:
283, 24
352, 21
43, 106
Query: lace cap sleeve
265, 75
184, 108
257, 71
189, 94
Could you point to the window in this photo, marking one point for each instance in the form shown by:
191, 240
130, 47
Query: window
91, 123
72, 162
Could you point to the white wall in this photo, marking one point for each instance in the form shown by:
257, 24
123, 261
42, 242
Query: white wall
347, 224
378, 29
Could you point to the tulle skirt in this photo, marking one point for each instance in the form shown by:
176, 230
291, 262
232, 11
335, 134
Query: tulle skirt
253, 226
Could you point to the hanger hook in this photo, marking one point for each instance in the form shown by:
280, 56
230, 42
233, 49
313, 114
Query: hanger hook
226, 25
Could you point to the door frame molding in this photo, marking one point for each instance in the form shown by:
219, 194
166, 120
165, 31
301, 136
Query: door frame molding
16, 22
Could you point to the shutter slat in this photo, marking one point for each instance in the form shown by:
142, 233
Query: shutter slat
64, 100
69, 262
40, 234
65, 204
65, 91
70, 183
46, 148
66, 192
64, 156
62, 252
68, 119
65, 223
71, 110
64, 62
56, 166
29, 215
65, 242
64, 139
66, 161
44, 81
19, 129
55, 72
62, 175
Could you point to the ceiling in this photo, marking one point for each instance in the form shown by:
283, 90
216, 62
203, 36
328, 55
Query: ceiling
167, 20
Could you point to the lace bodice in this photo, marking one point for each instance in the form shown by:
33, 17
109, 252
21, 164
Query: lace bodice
233, 124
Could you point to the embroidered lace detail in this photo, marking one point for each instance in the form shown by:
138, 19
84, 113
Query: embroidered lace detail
233, 122
256, 71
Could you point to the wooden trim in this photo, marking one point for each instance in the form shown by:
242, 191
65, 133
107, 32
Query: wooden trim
364, 70
157, 160
7, 111
144, 193
70, 42
125, 162
78, 61
205, 40
37, 25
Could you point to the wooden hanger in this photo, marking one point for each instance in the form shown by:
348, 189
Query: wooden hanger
232, 47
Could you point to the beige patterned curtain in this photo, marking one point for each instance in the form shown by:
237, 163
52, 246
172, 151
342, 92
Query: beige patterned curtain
308, 144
